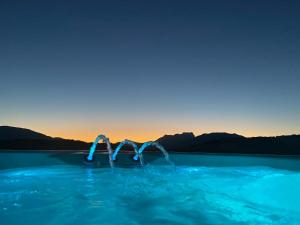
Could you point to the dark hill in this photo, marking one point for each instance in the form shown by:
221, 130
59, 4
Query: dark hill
14, 133
203, 138
177, 141
232, 143
280, 145
25, 139
14, 138
188, 140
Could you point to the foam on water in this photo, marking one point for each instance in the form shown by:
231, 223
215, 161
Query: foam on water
153, 195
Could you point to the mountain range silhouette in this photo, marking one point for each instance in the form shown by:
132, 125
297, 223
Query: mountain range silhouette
14, 138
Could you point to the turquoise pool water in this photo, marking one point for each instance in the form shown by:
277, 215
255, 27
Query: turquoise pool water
40, 188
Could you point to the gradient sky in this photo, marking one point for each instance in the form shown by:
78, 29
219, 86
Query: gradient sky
141, 69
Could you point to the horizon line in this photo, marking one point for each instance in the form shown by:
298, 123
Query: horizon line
141, 141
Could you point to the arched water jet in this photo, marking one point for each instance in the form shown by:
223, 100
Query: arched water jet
127, 142
93, 149
157, 145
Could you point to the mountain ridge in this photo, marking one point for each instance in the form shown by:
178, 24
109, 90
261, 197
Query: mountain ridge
14, 138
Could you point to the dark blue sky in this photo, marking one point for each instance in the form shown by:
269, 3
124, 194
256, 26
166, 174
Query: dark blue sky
145, 68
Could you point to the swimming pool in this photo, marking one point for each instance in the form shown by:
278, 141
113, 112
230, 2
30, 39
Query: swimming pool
59, 188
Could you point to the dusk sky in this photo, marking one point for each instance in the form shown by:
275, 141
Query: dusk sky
142, 69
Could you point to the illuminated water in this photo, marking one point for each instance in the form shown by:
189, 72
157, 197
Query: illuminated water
204, 189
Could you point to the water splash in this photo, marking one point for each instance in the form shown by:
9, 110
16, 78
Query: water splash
157, 145
138, 152
109, 149
127, 142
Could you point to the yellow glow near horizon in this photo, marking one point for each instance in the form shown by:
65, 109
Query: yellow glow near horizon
141, 131
142, 136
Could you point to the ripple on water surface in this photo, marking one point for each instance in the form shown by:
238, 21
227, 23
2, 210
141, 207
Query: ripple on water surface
154, 195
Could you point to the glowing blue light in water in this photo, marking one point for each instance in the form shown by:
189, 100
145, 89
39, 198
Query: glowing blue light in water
109, 149
157, 145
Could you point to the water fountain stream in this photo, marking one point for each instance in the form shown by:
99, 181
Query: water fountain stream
90, 157
127, 142
157, 145
138, 152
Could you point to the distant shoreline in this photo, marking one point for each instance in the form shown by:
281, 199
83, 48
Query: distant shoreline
150, 152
